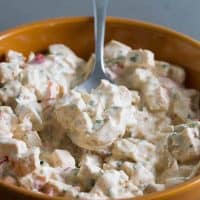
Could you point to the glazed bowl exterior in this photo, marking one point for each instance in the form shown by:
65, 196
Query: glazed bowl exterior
77, 33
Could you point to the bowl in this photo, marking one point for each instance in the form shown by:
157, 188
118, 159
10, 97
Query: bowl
77, 33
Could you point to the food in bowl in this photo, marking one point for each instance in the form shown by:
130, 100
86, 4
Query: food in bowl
137, 136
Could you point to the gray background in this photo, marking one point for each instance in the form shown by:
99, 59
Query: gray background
181, 15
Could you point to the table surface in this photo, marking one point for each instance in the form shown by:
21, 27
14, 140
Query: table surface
181, 15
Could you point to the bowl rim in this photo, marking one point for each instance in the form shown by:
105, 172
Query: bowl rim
131, 22
110, 19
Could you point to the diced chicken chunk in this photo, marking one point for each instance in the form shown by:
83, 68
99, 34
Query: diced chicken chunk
114, 184
140, 77
134, 149
140, 58
27, 163
67, 53
57, 188
8, 121
32, 139
139, 175
185, 105
90, 165
9, 92
8, 72
82, 120
185, 145
62, 158
15, 57
89, 129
115, 49
22, 127
26, 95
90, 169
177, 74
39, 177
173, 72
162, 68
12, 148
154, 187
33, 110
157, 99
170, 171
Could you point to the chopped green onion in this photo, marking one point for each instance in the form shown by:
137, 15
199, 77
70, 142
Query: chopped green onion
134, 58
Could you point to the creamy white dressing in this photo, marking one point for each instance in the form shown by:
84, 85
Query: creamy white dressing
137, 136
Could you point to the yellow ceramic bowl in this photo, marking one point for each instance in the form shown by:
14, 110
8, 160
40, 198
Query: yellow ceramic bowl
77, 33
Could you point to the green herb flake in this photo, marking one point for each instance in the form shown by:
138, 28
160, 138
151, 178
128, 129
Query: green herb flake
165, 65
4, 88
98, 121
59, 54
110, 192
106, 109
115, 107
173, 134
98, 124
141, 108
117, 60
134, 58
179, 128
193, 124
9, 66
134, 166
100, 173
120, 53
119, 164
91, 103
111, 109
120, 57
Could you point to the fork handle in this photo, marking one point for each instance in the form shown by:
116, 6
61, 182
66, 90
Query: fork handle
100, 8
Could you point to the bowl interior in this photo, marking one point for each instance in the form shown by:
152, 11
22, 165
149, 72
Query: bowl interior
77, 33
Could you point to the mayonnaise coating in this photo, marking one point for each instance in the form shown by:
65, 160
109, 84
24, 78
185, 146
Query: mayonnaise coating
136, 135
